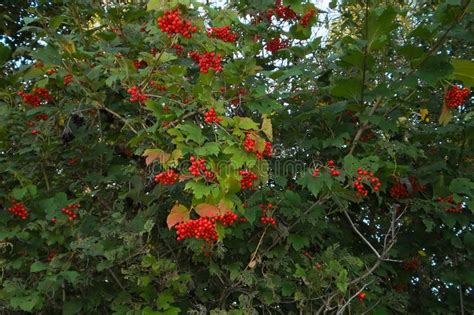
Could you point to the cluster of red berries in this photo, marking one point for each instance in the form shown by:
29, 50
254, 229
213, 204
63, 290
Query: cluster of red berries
168, 177
179, 49
223, 33
250, 143
171, 23
457, 208
306, 17
136, 95
38, 64
68, 79
198, 168
42, 116
202, 228
157, 86
35, 132
206, 61
456, 96
51, 256
283, 12
34, 99
276, 44
227, 219
211, 117
361, 296
411, 264
247, 179
332, 169
364, 175
19, 209
400, 190
140, 64
51, 71
69, 211
265, 219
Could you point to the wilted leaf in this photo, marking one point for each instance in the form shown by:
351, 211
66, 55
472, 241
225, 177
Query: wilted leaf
207, 210
155, 154
178, 214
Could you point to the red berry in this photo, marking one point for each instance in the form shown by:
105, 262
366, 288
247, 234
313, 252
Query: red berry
172, 23
211, 117
19, 209
223, 33
136, 95
456, 96
247, 179
168, 177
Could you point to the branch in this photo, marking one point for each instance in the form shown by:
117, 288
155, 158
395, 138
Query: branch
361, 236
341, 310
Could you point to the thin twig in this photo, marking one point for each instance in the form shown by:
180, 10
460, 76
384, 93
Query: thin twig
360, 234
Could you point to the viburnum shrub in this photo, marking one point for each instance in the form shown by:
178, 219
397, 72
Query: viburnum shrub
236, 157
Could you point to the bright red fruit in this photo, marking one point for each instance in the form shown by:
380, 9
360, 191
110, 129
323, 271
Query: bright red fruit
223, 33
19, 209
171, 23
456, 96
168, 177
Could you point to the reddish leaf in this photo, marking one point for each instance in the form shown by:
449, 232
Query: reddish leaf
178, 214
155, 154
207, 210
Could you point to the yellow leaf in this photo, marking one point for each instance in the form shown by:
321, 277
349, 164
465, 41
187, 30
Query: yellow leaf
155, 154
267, 127
424, 112
178, 214
422, 253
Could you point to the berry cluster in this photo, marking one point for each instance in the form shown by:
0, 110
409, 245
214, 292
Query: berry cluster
69, 211
457, 208
265, 219
247, 179
136, 95
35, 132
276, 44
411, 264
34, 99
250, 146
283, 12
51, 71
42, 116
179, 49
168, 177
68, 79
19, 210
211, 117
206, 61
198, 168
38, 64
400, 190
202, 228
140, 64
456, 96
227, 219
332, 170
171, 23
157, 86
369, 177
306, 17
223, 33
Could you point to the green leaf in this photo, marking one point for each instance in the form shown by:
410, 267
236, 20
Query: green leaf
246, 123
71, 307
463, 71
4, 54
462, 186
381, 22
298, 241
342, 280
434, 69
199, 189
38, 266
347, 88
210, 148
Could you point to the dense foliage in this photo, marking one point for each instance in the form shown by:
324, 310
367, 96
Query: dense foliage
247, 157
